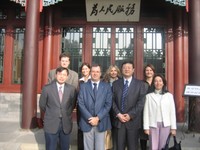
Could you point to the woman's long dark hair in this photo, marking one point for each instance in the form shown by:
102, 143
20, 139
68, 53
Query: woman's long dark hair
164, 88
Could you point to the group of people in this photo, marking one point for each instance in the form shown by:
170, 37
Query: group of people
114, 110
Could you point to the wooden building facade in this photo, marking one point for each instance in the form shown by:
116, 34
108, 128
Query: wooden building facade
32, 38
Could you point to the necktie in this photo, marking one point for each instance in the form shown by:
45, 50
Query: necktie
124, 94
60, 93
95, 89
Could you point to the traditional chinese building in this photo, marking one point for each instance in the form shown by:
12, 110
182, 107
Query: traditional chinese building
33, 33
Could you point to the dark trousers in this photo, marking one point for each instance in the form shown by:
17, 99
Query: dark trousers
53, 139
126, 138
114, 139
80, 140
143, 144
143, 139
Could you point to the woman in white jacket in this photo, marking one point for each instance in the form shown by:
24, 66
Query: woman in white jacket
159, 114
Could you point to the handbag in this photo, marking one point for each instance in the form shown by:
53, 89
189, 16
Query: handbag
176, 146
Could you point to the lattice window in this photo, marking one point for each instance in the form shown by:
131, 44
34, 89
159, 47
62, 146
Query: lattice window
124, 44
18, 52
72, 42
20, 13
3, 14
44, 2
101, 46
2, 44
154, 48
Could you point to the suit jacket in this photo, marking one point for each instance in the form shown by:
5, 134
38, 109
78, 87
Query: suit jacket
50, 103
133, 105
89, 107
167, 109
72, 77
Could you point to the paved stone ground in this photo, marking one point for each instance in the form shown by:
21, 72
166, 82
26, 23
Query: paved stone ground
12, 137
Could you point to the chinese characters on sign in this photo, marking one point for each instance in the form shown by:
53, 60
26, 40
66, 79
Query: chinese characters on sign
113, 10
128, 10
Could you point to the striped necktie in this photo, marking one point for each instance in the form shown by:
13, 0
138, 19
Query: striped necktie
124, 94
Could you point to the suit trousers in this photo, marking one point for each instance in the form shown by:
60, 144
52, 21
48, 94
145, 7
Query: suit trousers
94, 140
60, 136
126, 138
80, 140
158, 136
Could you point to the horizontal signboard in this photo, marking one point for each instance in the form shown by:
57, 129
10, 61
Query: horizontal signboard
113, 10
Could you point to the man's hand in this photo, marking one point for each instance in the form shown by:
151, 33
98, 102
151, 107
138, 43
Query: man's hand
127, 117
93, 121
123, 117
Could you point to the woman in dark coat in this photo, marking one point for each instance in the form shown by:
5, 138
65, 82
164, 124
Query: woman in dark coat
149, 71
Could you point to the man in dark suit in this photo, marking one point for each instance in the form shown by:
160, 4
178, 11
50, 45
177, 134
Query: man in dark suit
64, 62
94, 102
58, 101
128, 102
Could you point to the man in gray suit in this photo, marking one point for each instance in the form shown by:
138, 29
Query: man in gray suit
94, 102
64, 62
128, 102
58, 101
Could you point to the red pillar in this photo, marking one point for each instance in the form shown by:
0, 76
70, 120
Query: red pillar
47, 51
194, 61
169, 44
46, 65
138, 60
179, 65
29, 92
